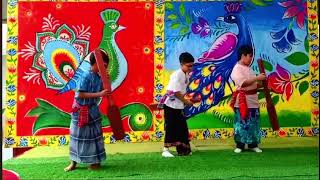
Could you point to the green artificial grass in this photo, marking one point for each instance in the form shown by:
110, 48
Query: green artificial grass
286, 119
273, 163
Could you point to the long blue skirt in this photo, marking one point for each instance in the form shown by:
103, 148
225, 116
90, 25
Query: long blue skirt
86, 143
247, 131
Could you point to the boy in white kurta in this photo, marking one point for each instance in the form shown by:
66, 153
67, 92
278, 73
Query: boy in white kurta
176, 128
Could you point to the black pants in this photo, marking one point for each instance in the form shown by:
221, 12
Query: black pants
177, 133
241, 145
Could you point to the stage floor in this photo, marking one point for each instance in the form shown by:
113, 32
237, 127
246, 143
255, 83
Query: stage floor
282, 158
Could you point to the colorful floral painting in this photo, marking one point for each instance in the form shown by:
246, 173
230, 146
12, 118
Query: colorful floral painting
46, 60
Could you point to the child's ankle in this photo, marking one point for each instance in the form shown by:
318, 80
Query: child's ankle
94, 166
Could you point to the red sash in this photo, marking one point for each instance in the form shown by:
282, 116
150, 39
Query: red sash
83, 118
243, 107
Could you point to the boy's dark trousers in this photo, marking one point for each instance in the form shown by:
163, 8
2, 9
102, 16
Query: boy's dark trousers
241, 145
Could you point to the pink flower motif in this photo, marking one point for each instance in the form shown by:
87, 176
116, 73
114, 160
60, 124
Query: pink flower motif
297, 9
280, 83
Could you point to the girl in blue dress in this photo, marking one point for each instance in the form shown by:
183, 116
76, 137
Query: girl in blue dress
86, 137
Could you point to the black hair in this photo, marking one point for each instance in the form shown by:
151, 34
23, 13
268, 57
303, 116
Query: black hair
186, 58
244, 50
105, 57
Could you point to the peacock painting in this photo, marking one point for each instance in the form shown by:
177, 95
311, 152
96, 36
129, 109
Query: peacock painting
212, 71
219, 29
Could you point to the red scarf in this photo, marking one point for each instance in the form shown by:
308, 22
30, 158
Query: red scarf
243, 107
83, 113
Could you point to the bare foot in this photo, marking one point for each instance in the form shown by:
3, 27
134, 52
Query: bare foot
71, 167
94, 166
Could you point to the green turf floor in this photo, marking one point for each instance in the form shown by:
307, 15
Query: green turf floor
273, 163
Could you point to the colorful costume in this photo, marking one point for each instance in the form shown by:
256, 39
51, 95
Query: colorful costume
86, 138
246, 107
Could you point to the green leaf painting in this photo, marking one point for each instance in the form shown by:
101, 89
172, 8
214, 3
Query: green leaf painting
306, 44
303, 87
175, 25
182, 9
172, 17
298, 58
169, 6
268, 66
275, 99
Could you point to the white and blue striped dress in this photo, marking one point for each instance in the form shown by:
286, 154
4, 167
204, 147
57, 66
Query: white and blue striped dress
86, 143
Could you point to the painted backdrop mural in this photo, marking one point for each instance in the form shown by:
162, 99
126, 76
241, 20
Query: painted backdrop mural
53, 54
49, 43
279, 38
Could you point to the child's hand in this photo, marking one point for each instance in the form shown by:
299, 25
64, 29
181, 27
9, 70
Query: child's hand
261, 77
188, 102
104, 92
195, 100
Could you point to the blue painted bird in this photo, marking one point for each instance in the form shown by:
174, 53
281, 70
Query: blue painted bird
213, 69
